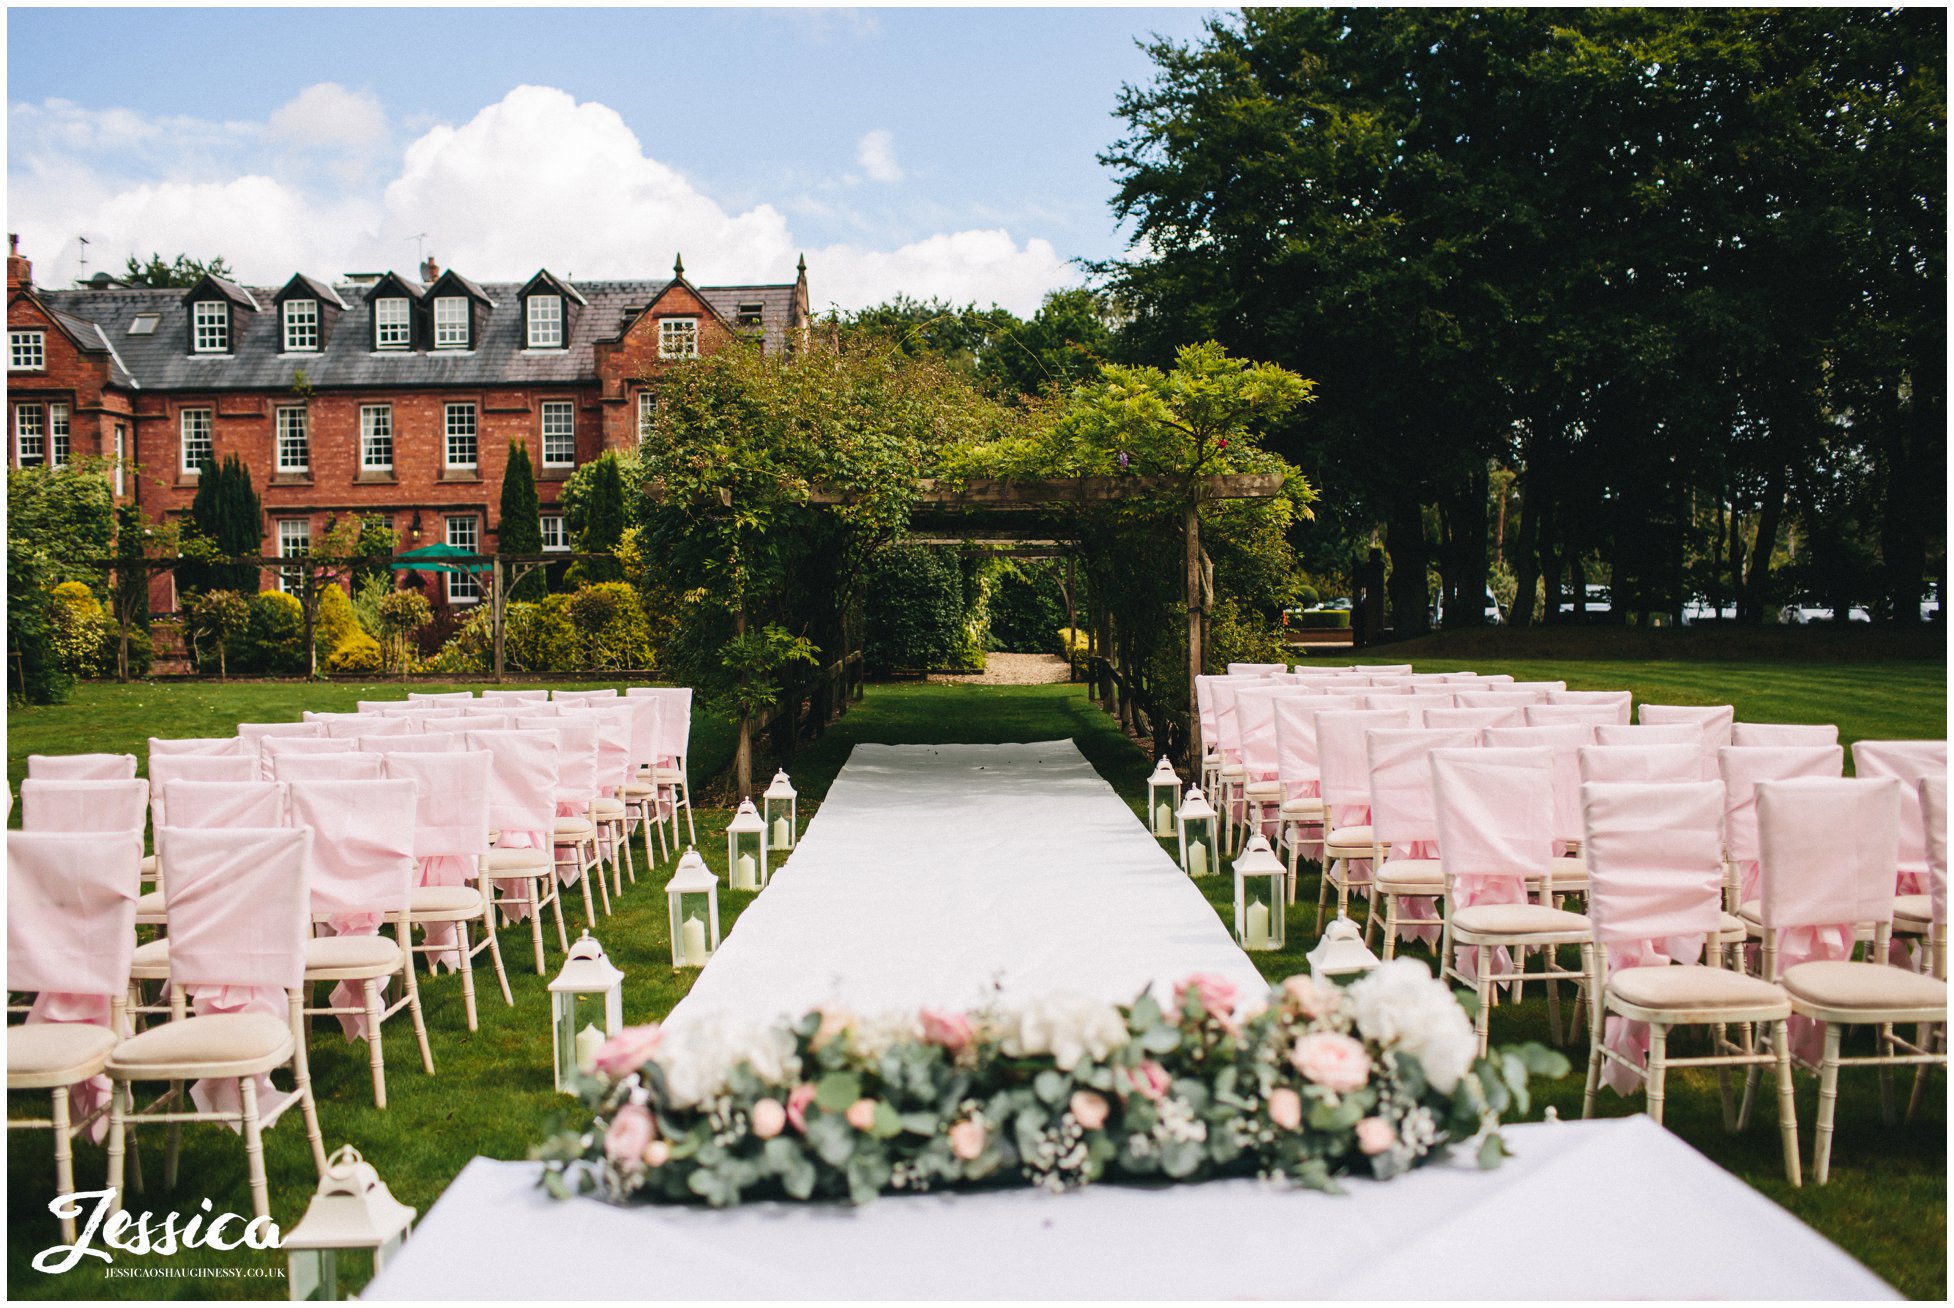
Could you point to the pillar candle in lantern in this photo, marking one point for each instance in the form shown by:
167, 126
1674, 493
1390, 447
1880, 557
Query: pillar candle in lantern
1197, 860
1258, 925
782, 839
744, 873
589, 1041
695, 941
1163, 820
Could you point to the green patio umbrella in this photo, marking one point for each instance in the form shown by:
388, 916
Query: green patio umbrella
442, 558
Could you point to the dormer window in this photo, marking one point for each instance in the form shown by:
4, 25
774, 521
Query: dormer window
392, 327
678, 338
545, 322
451, 323
749, 316
210, 327
301, 325
27, 351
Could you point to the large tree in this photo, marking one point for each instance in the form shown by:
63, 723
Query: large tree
521, 530
160, 273
226, 516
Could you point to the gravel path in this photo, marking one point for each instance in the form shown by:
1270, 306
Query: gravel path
1012, 670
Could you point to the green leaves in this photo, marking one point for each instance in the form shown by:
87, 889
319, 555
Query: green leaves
837, 1090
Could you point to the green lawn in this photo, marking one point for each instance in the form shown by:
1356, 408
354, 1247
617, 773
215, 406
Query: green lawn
1886, 1204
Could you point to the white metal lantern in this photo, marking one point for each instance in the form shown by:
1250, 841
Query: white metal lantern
1259, 896
693, 896
746, 849
783, 821
1198, 842
586, 993
352, 1210
1341, 951
1163, 788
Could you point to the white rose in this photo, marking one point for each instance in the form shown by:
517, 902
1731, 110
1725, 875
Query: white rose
770, 1050
1070, 1027
696, 1059
1401, 1005
872, 1037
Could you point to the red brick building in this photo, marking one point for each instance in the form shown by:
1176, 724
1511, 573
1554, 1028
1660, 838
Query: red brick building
373, 395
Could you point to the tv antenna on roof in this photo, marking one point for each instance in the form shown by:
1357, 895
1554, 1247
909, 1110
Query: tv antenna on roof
84, 255
419, 239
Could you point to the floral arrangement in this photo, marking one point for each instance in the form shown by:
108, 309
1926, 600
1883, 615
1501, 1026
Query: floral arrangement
1319, 1082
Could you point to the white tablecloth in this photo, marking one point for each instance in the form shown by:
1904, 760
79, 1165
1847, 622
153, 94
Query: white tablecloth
942, 874
1615, 1209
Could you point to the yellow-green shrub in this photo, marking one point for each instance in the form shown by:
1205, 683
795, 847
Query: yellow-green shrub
355, 652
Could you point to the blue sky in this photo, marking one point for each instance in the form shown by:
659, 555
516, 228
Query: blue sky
936, 151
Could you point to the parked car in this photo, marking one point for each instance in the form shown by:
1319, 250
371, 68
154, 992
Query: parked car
1701, 611
1599, 602
1494, 617
1803, 611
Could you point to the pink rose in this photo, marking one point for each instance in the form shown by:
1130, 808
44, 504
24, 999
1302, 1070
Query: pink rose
833, 1022
627, 1051
657, 1153
1335, 1062
967, 1139
1310, 997
950, 1030
861, 1114
1149, 1080
1089, 1110
631, 1129
1285, 1108
797, 1103
1217, 994
768, 1118
1375, 1135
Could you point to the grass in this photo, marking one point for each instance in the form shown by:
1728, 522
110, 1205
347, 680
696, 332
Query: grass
1886, 1203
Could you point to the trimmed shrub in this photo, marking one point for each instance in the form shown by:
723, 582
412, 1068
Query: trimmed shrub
79, 629
611, 628
274, 636
335, 619
540, 637
1319, 619
914, 609
355, 652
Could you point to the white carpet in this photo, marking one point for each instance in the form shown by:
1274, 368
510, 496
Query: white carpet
943, 874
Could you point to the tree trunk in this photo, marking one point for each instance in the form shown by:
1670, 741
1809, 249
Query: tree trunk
1466, 552
1410, 592
1751, 598
743, 757
498, 606
1526, 559
1191, 525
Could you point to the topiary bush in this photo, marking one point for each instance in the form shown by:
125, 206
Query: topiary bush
1319, 619
335, 619
80, 629
355, 652
218, 619
913, 609
274, 636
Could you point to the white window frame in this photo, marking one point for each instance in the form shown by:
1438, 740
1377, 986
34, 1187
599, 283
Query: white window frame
26, 351
293, 544
294, 434
463, 587
393, 324
647, 411
26, 430
121, 453
210, 327
562, 416
678, 338
186, 421
553, 525
544, 331
450, 433
58, 445
451, 334
301, 326
376, 426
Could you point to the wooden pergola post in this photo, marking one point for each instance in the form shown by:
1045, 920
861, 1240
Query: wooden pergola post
1191, 517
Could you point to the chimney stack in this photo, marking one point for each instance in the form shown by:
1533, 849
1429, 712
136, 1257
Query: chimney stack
430, 271
20, 272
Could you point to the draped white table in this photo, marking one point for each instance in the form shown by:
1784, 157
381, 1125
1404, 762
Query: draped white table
945, 875
1615, 1209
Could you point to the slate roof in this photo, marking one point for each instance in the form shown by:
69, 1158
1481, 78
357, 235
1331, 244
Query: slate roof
161, 360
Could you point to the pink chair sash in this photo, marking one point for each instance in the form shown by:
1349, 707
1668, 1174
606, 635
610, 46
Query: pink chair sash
340, 765
1401, 809
605, 692
1345, 760
71, 931
167, 768
362, 863
1542, 689
1712, 720
440, 697
1783, 733
1655, 882
1501, 699
1565, 740
1621, 763
522, 791
1933, 813
1907, 761
1255, 714
1297, 764
355, 725
272, 748
84, 805
237, 922
1495, 812
203, 805
577, 766
160, 745
1477, 719
1741, 768
451, 826
514, 696
1555, 715
1620, 700
419, 742
81, 767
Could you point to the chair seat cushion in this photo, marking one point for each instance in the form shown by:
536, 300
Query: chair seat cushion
149, 906
518, 862
151, 961
237, 1041
669, 776
55, 1053
1234, 771
149, 867
606, 807
639, 790
1350, 837
1428, 874
366, 955
1307, 806
1517, 920
446, 899
1871, 986
1263, 790
574, 828
1694, 987
1914, 913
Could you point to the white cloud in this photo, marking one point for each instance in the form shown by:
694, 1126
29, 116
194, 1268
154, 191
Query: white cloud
536, 179
330, 117
876, 153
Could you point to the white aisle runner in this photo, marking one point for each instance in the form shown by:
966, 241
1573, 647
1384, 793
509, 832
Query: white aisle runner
936, 874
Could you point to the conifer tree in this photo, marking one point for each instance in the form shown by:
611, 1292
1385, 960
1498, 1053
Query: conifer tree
522, 520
